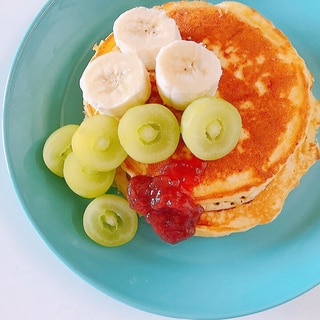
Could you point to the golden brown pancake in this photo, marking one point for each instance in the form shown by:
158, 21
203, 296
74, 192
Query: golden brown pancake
268, 82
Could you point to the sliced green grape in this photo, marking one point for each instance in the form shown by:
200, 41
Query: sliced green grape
96, 143
57, 147
109, 220
211, 127
84, 181
149, 133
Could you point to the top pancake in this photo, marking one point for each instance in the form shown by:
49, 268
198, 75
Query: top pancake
265, 79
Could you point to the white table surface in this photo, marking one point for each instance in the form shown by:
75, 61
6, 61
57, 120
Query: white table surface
34, 283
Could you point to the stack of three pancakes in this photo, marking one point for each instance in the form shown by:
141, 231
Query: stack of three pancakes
270, 85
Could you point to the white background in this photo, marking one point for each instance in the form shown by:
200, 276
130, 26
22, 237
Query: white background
34, 284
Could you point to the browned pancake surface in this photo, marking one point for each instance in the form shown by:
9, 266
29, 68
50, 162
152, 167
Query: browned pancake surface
266, 81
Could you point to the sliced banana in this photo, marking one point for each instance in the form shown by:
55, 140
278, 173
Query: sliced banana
185, 71
114, 82
143, 31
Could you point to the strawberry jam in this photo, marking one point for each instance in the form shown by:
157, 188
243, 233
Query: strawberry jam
165, 202
188, 172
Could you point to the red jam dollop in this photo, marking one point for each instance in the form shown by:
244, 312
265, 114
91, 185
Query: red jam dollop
165, 202
188, 172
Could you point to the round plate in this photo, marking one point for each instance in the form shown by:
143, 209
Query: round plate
200, 278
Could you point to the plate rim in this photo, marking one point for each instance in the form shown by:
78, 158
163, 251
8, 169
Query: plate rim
14, 67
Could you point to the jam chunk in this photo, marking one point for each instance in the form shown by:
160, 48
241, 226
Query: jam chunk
169, 209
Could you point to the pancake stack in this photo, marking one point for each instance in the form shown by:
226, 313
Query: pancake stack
268, 82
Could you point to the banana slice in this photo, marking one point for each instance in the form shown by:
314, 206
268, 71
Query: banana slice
115, 82
143, 31
185, 71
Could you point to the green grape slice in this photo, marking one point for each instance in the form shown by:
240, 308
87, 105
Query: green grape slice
109, 221
96, 143
84, 181
57, 147
149, 133
211, 127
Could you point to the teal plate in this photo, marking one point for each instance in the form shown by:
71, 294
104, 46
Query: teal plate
200, 278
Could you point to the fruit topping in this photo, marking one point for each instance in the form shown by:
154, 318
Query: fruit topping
149, 133
185, 71
109, 221
84, 181
171, 212
188, 171
143, 31
57, 147
96, 143
211, 127
114, 82
185, 75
